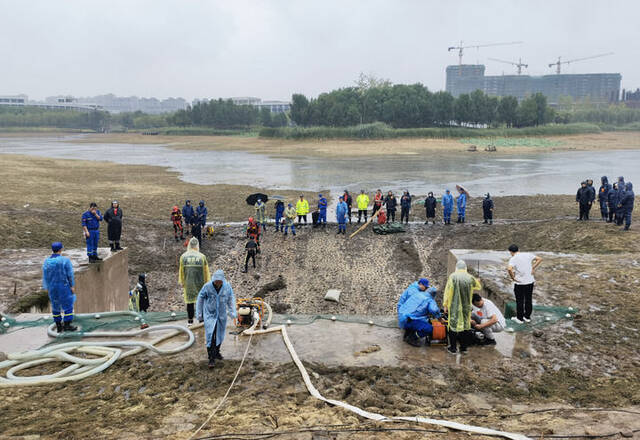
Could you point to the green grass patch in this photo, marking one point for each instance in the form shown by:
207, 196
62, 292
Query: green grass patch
202, 131
382, 131
513, 142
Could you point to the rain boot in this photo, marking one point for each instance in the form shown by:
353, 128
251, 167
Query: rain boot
68, 327
212, 357
59, 328
414, 339
112, 246
217, 354
118, 248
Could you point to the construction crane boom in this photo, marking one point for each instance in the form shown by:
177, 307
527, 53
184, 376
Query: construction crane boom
519, 64
560, 62
461, 48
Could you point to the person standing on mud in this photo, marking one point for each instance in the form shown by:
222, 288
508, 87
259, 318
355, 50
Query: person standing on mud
603, 197
430, 204
279, 215
341, 216
113, 217
447, 207
322, 210
91, 228
349, 201
363, 204
619, 209
628, 198
457, 304
251, 248
188, 214
193, 274
253, 232
405, 207
196, 231
612, 198
521, 268
302, 209
261, 215
176, 219
461, 205
201, 214
390, 203
290, 219
378, 200
487, 209
216, 300
582, 198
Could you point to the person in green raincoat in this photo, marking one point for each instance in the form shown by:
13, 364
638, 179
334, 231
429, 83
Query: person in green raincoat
194, 273
457, 304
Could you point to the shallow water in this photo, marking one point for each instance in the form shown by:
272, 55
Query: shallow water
527, 174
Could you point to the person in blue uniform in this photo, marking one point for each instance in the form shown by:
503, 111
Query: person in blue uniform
415, 308
58, 282
603, 197
279, 214
447, 207
461, 205
91, 227
628, 197
341, 216
188, 214
322, 210
201, 214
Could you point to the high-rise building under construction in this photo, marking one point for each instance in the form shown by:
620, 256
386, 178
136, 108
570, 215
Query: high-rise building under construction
597, 88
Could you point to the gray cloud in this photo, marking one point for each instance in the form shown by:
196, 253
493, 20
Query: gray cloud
274, 48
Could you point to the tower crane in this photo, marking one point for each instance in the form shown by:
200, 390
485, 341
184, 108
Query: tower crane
560, 62
461, 48
519, 64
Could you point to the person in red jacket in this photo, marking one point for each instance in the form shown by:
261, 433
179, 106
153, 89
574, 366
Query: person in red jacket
176, 218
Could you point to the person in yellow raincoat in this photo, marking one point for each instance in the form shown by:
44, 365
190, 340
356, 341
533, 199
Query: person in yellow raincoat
302, 209
194, 273
457, 304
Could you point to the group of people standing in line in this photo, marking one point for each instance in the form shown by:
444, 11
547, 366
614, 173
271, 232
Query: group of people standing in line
195, 220
616, 201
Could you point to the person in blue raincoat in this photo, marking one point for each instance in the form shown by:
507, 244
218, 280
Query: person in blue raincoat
215, 301
341, 216
59, 283
201, 214
188, 214
619, 209
461, 205
447, 207
626, 202
603, 197
279, 214
322, 209
91, 228
415, 307
612, 201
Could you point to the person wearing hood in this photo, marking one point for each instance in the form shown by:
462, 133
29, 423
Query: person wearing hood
603, 197
322, 210
290, 218
201, 214
416, 307
302, 209
430, 204
215, 301
279, 214
139, 295
487, 209
193, 274
582, 198
59, 283
626, 202
188, 214
91, 227
620, 195
461, 205
349, 201
113, 217
390, 203
253, 232
363, 204
405, 207
612, 200
176, 219
447, 207
261, 215
341, 216
457, 305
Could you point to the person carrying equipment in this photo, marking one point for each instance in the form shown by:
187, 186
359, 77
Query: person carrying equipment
457, 305
176, 219
113, 217
349, 201
461, 205
251, 248
341, 216
363, 203
290, 218
193, 274
430, 204
215, 301
253, 232
447, 207
405, 207
261, 216
415, 307
188, 214
201, 214
487, 209
279, 214
603, 198
91, 227
59, 283
302, 209
322, 210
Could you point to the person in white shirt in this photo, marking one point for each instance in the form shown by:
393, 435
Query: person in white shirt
522, 266
486, 318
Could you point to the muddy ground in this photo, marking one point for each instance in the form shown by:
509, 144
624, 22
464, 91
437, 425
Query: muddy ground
593, 363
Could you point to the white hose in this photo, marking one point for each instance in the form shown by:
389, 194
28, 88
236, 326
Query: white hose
374, 416
267, 323
80, 368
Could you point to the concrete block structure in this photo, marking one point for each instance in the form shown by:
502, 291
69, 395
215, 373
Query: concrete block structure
104, 286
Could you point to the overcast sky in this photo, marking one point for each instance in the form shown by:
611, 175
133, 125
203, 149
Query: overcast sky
271, 49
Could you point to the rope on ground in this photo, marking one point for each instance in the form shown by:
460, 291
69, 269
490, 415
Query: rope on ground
374, 416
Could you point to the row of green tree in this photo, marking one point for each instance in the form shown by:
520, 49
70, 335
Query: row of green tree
222, 113
412, 106
41, 117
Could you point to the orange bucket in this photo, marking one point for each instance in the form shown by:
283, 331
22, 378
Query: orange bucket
439, 330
